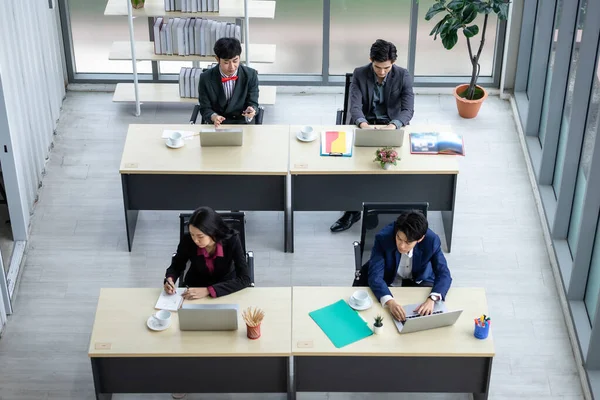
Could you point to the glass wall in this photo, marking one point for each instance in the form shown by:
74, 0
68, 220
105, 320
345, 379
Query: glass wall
93, 34
593, 282
432, 59
349, 44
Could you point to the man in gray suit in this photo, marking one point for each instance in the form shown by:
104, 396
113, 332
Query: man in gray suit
228, 92
381, 93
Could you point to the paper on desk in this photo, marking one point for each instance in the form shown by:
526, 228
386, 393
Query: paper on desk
186, 134
341, 324
170, 302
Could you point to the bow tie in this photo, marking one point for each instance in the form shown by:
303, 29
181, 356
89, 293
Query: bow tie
228, 78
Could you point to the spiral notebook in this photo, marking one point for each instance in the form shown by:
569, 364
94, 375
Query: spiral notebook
170, 302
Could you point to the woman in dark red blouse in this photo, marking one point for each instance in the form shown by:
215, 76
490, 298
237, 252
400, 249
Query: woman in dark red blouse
218, 262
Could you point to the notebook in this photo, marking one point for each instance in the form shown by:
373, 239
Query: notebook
436, 143
336, 143
341, 324
170, 302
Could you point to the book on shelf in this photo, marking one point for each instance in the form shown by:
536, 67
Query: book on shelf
437, 143
189, 79
192, 5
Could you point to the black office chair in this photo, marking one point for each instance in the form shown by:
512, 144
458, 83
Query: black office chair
375, 217
235, 220
342, 116
258, 118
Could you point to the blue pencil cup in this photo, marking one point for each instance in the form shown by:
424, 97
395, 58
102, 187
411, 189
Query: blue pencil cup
482, 332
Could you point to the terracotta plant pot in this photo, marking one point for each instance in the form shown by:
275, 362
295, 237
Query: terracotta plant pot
253, 332
468, 108
138, 4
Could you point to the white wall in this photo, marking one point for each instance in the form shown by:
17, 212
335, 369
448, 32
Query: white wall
32, 88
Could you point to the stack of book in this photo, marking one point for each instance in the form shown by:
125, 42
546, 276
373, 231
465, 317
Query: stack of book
191, 36
189, 78
192, 5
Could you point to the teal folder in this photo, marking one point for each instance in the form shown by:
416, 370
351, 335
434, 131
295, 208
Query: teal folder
341, 324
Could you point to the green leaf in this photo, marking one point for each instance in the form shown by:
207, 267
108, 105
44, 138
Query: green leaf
469, 14
434, 10
456, 5
503, 11
449, 39
436, 29
471, 31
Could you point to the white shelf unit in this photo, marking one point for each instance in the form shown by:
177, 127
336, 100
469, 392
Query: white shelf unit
144, 51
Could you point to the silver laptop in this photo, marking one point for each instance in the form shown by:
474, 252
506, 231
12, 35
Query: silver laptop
208, 317
439, 318
221, 137
378, 137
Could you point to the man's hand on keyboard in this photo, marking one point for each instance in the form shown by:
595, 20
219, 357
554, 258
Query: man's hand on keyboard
396, 310
426, 308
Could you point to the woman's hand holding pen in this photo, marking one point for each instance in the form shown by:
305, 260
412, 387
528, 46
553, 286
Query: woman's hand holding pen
170, 286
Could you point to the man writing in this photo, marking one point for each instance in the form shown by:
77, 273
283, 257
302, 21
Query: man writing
228, 92
381, 94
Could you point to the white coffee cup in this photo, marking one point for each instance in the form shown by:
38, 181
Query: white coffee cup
175, 139
162, 317
360, 297
306, 132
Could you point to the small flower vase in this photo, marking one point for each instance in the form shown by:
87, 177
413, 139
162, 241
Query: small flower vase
253, 332
387, 166
377, 329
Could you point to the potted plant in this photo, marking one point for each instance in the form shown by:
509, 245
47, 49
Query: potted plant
386, 157
138, 3
459, 15
378, 325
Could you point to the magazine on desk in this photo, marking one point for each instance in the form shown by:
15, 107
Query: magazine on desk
437, 143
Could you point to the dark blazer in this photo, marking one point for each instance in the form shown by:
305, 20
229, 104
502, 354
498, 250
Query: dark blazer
230, 273
212, 96
428, 263
398, 93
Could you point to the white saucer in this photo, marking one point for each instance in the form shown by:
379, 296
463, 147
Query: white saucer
153, 324
175, 147
310, 139
367, 305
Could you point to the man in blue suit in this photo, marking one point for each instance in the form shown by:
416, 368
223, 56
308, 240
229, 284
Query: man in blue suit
408, 253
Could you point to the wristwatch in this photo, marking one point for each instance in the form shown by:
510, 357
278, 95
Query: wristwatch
434, 297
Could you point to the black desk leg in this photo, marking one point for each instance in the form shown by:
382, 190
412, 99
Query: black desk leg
130, 215
290, 242
484, 395
286, 215
98, 382
448, 217
291, 379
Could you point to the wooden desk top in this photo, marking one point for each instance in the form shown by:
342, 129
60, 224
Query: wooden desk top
121, 316
305, 158
451, 341
264, 152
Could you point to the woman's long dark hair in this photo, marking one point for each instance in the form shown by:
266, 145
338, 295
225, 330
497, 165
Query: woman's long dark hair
210, 223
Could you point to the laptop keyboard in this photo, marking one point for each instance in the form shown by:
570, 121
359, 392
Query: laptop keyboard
417, 315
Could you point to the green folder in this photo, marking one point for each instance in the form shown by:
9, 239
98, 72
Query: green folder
341, 324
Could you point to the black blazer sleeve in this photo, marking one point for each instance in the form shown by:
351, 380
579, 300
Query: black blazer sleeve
357, 86
204, 90
242, 273
252, 95
405, 112
180, 259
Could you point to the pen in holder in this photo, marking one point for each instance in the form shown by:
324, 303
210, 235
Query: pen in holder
482, 327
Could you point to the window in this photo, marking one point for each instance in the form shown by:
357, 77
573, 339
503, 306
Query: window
94, 33
434, 60
593, 283
356, 25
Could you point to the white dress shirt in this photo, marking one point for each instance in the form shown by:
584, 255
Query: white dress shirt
404, 272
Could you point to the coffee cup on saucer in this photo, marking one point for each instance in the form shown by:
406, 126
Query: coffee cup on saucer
306, 132
360, 300
175, 139
162, 317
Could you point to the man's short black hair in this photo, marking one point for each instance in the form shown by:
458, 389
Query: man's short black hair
227, 48
382, 51
413, 224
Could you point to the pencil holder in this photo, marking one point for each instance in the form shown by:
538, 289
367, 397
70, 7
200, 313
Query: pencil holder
482, 332
253, 332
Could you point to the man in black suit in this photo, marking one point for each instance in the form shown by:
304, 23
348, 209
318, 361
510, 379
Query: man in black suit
228, 92
381, 93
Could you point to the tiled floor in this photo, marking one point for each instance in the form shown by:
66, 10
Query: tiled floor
78, 245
